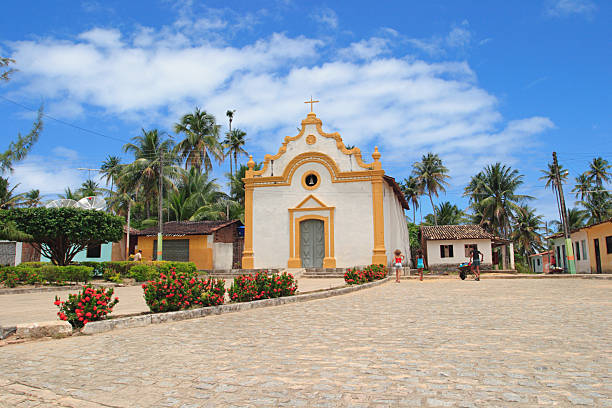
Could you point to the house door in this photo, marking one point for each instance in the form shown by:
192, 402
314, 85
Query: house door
597, 255
312, 243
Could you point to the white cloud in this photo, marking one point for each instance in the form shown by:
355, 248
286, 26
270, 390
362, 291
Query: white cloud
563, 8
326, 16
102, 37
405, 105
49, 174
65, 152
459, 38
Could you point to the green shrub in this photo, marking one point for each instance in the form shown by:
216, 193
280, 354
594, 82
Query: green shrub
98, 267
88, 306
9, 277
35, 264
246, 288
143, 273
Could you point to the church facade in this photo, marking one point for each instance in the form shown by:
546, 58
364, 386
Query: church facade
317, 204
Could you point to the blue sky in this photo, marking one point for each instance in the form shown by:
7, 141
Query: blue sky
475, 82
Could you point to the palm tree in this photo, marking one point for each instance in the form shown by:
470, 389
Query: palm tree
236, 184
599, 171
412, 191
32, 198
89, 188
448, 214
492, 192
525, 234
7, 199
234, 140
431, 174
550, 176
583, 186
201, 140
576, 218
70, 195
154, 158
111, 168
599, 206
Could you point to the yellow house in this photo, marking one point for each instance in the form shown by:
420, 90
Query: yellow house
600, 246
211, 245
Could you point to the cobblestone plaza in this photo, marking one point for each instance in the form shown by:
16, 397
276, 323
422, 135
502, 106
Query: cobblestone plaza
494, 343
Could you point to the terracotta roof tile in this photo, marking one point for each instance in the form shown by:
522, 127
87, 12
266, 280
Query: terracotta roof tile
188, 227
442, 232
398, 191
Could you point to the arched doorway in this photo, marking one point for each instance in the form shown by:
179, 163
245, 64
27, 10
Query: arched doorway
312, 243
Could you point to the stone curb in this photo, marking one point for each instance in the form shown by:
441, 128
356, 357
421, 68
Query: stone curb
139, 321
522, 276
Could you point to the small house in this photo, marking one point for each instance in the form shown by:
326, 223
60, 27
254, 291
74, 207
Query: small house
446, 246
600, 246
13, 253
541, 262
211, 245
580, 248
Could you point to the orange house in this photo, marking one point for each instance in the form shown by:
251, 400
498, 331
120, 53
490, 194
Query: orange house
211, 245
600, 246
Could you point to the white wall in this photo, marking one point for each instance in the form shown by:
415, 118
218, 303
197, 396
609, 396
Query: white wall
584, 264
223, 255
353, 218
396, 229
433, 251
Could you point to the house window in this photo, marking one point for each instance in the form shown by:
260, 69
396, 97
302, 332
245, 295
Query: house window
446, 251
609, 244
94, 251
584, 251
577, 244
538, 262
469, 248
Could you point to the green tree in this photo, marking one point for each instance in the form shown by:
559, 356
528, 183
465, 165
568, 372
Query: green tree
599, 171
89, 188
525, 232
234, 142
576, 218
236, 184
412, 190
7, 198
70, 195
32, 198
493, 195
6, 72
431, 175
448, 214
60, 233
583, 186
111, 169
550, 176
20, 148
201, 140
599, 206
153, 157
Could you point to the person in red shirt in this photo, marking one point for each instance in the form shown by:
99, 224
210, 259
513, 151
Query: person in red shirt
398, 259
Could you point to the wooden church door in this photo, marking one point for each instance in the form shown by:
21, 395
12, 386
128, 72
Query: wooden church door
312, 243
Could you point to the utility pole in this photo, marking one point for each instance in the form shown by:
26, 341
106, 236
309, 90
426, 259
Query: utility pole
569, 250
160, 217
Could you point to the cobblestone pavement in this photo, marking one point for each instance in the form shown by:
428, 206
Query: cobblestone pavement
494, 343
39, 307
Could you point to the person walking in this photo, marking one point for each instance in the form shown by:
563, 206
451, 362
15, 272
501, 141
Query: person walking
138, 256
420, 263
397, 264
476, 257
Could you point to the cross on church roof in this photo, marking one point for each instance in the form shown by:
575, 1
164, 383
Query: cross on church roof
311, 102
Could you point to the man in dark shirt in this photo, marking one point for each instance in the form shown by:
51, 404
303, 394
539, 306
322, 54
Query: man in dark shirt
476, 257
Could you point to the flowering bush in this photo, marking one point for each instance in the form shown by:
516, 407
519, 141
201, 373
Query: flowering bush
370, 273
246, 288
88, 306
176, 291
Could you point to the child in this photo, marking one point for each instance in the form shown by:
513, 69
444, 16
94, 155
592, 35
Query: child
397, 264
420, 263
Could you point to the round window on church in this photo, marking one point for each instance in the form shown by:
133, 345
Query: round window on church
311, 180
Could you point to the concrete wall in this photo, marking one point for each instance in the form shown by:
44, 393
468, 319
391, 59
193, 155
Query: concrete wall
433, 252
223, 255
584, 264
353, 222
396, 228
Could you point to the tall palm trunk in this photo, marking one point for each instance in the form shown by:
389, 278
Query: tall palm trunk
127, 237
434, 209
235, 159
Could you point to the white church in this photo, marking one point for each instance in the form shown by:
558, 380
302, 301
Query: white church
316, 204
